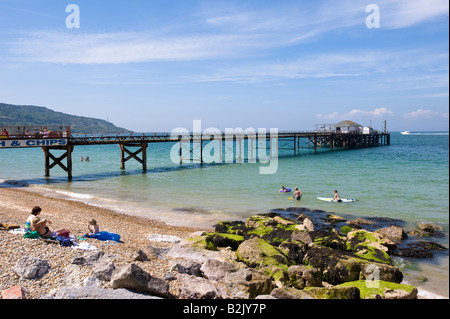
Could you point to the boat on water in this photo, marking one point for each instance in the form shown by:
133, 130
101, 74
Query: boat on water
405, 132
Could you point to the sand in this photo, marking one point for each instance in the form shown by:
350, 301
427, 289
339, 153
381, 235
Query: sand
15, 207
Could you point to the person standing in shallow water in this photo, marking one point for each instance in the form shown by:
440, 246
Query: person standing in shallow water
297, 194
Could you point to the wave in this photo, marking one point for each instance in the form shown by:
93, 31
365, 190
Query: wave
75, 195
429, 295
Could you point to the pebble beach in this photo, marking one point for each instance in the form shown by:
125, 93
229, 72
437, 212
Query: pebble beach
15, 207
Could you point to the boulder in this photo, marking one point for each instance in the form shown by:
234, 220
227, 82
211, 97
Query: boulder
192, 287
339, 266
429, 227
247, 283
419, 249
194, 249
289, 293
223, 240
258, 253
333, 292
135, 278
217, 270
393, 232
382, 289
301, 276
31, 267
302, 236
98, 293
186, 266
369, 245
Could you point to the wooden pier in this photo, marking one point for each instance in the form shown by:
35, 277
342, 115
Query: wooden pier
191, 145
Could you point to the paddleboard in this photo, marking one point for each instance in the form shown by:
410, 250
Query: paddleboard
343, 200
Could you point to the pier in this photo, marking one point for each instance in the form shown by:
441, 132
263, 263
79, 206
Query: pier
235, 146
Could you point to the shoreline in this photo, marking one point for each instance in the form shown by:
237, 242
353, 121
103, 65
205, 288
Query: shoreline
16, 204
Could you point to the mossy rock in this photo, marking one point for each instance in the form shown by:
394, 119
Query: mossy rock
382, 289
233, 227
328, 238
223, 240
369, 245
202, 243
258, 253
337, 292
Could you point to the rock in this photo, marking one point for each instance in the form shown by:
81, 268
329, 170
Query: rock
392, 232
302, 236
185, 266
258, 253
234, 228
289, 293
98, 293
247, 283
141, 256
339, 266
31, 267
335, 218
301, 276
103, 269
92, 282
419, 249
193, 248
16, 292
295, 251
308, 224
164, 238
224, 240
135, 278
192, 287
216, 270
333, 292
429, 227
382, 289
370, 246
328, 238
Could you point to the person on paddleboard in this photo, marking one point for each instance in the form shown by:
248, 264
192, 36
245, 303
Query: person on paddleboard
336, 196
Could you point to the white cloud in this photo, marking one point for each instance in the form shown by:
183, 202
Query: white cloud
423, 114
356, 113
405, 13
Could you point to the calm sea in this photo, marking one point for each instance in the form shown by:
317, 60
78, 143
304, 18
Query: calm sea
407, 180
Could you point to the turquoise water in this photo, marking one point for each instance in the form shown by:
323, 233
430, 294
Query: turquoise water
408, 180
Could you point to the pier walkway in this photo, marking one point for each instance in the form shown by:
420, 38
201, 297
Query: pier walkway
242, 145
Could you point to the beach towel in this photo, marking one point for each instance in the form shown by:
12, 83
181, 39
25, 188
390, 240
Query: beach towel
32, 235
104, 235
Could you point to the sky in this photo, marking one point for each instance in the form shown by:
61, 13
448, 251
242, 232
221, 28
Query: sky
154, 66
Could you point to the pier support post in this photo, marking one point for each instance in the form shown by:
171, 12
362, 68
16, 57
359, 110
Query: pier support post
58, 160
142, 149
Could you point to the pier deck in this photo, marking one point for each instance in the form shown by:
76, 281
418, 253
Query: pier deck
190, 143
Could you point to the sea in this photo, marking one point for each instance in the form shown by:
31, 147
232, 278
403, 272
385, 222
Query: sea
406, 180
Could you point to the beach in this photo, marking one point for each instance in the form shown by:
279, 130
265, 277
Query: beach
15, 207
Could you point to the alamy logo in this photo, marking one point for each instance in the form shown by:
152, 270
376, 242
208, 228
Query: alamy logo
73, 19
234, 145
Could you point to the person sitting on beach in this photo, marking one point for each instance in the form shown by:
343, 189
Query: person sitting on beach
336, 196
41, 227
92, 227
34, 212
297, 194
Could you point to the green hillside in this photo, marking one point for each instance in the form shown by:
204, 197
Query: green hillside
30, 115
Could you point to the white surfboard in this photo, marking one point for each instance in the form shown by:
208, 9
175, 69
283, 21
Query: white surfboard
343, 200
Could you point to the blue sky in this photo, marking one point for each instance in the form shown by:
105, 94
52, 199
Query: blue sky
158, 65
